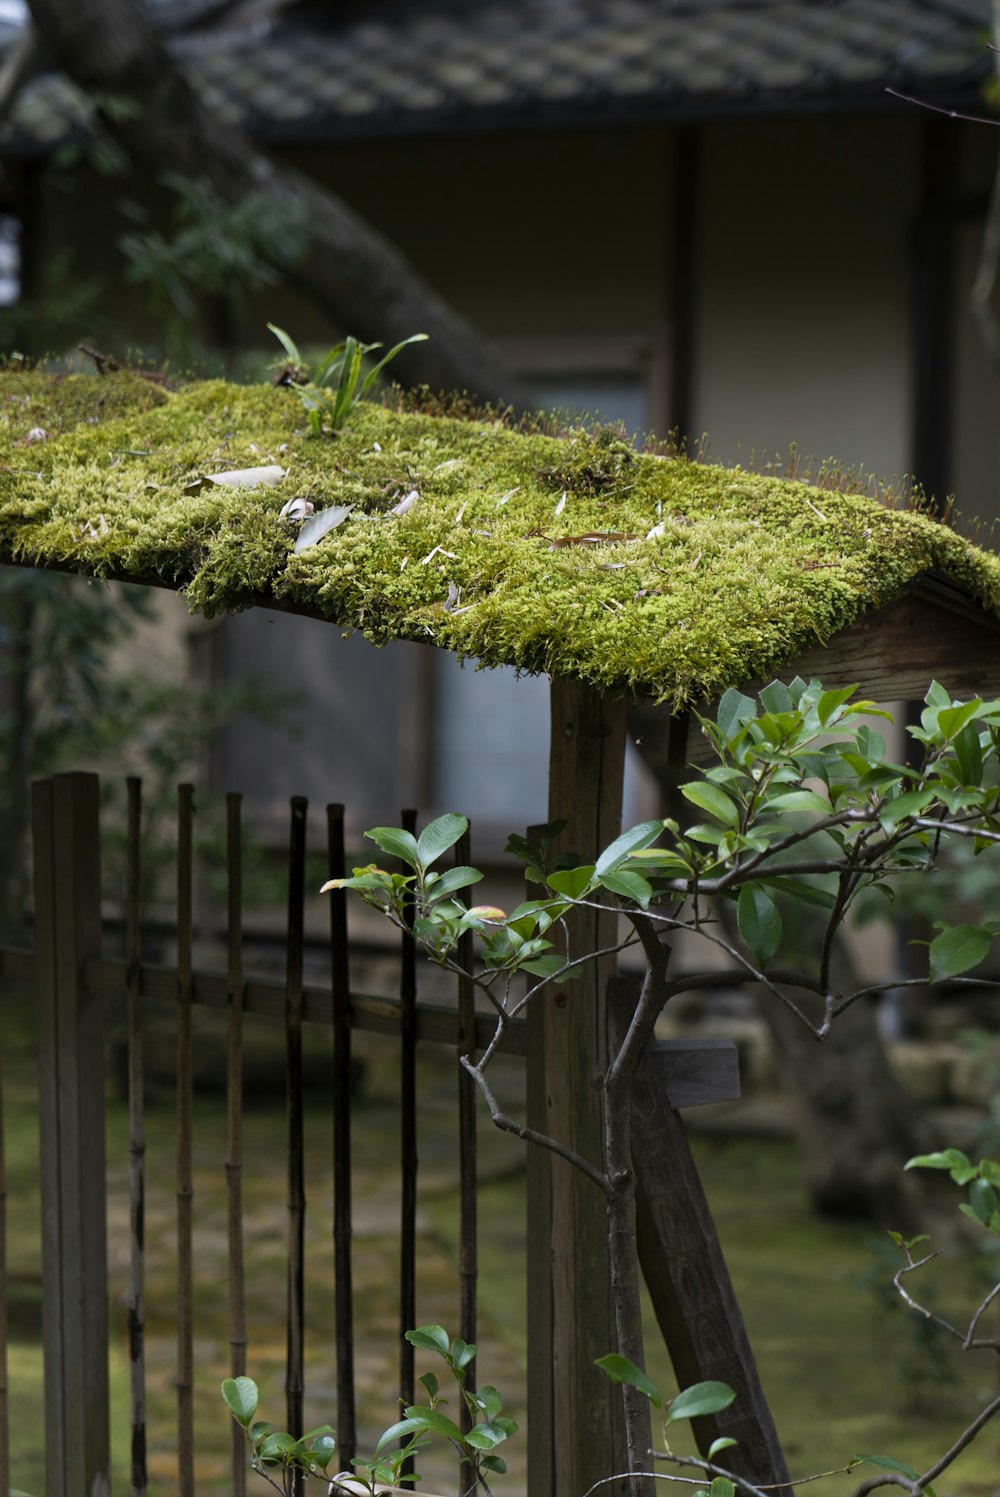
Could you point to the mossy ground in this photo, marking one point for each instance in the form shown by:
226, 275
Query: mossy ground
572, 555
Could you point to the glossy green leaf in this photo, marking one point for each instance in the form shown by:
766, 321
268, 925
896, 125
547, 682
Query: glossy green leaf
982, 1201
714, 800
724, 1442
393, 840
957, 949
620, 1370
886, 1463
430, 1338
573, 882
777, 698
241, 1396
438, 836
733, 712
759, 922
629, 885
630, 841
700, 1399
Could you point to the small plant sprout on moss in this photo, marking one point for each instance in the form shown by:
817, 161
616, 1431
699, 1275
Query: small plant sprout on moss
803, 807
339, 380
283, 1460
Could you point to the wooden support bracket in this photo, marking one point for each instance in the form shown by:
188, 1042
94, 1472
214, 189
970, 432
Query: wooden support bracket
686, 1274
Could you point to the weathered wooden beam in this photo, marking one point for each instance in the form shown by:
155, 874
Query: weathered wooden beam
71, 1125
575, 1435
695, 1072
686, 1273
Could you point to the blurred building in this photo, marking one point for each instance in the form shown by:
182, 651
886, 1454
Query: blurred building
701, 215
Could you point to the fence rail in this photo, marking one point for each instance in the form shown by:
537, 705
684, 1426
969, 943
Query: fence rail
70, 974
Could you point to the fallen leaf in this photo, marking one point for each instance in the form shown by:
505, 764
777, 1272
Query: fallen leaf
316, 526
248, 478
593, 538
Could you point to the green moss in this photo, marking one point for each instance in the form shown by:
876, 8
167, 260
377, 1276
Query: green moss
691, 577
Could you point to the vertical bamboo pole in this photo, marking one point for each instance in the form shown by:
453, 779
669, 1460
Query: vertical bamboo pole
468, 1260
71, 1123
342, 1225
136, 1143
575, 1435
185, 1109
408, 1158
235, 995
4, 1392
295, 1361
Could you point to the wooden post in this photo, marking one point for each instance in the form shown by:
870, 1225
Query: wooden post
575, 1434
682, 1262
71, 1123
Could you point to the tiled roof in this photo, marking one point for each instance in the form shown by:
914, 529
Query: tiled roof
308, 70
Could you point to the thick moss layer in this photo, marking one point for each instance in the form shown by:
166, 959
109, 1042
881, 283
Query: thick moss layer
569, 555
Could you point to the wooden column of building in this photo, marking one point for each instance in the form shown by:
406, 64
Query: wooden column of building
71, 1123
574, 1435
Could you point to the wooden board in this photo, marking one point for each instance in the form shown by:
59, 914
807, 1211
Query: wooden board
695, 1072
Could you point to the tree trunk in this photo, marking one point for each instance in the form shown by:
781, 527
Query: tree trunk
854, 1125
109, 47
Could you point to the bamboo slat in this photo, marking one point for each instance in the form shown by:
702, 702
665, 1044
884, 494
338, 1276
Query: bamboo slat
468, 1248
294, 1364
408, 1158
136, 1144
185, 1108
342, 1082
234, 1122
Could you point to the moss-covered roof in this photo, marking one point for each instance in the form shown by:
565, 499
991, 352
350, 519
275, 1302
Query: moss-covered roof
572, 555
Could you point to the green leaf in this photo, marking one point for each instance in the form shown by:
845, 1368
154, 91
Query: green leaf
617, 851
733, 712
710, 798
494, 1463
241, 1396
798, 800
629, 885
549, 965
886, 1463
759, 922
700, 1399
969, 754
402, 1427
724, 1442
802, 892
982, 1201
958, 948
438, 836
573, 882
322, 1449
936, 697
777, 698
944, 1159
620, 1370
462, 1353
951, 720
287, 344
830, 701
373, 374
393, 840
430, 1338
722, 1487
430, 1384
434, 1420
455, 878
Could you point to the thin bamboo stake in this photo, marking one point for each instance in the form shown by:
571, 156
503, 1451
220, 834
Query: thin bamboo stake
468, 1254
294, 1365
136, 1144
4, 1391
185, 1107
342, 1216
234, 1123
408, 1158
